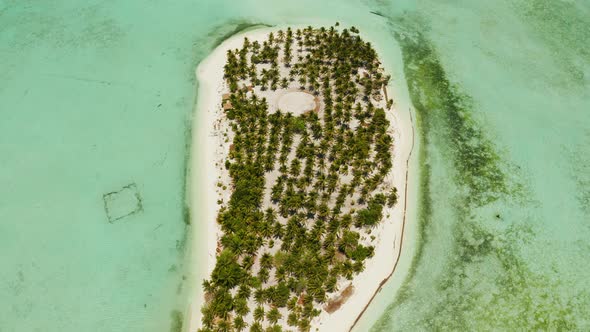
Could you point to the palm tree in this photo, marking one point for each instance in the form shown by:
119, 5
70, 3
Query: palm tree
241, 306
302, 80
244, 292
224, 326
266, 230
259, 313
256, 327
208, 316
303, 325
239, 323
259, 297
263, 274
266, 261
273, 315
208, 287
247, 262
274, 328
293, 319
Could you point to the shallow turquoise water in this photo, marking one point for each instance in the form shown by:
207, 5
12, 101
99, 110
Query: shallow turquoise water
99, 95
504, 206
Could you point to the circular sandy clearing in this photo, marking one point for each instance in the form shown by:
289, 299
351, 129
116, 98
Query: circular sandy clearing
297, 102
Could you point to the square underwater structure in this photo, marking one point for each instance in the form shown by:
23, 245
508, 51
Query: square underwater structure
122, 203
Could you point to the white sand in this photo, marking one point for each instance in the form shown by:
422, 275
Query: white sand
209, 151
388, 232
296, 102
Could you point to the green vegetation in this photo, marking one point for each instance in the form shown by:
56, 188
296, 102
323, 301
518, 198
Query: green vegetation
176, 321
306, 189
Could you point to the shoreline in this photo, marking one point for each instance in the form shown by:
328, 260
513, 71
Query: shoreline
205, 148
208, 143
399, 252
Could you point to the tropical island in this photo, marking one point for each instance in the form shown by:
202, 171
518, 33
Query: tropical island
297, 136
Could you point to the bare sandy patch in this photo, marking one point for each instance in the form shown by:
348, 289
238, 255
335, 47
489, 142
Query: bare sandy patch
297, 102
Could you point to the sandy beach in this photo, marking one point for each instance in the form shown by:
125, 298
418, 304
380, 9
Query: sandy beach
209, 151
210, 146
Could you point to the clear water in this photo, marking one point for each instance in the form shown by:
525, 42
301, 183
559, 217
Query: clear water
504, 171
97, 95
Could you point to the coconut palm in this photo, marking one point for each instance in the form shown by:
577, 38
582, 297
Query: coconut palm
273, 315
256, 327
259, 313
239, 323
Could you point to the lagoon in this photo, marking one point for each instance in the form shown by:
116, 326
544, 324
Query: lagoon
97, 96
